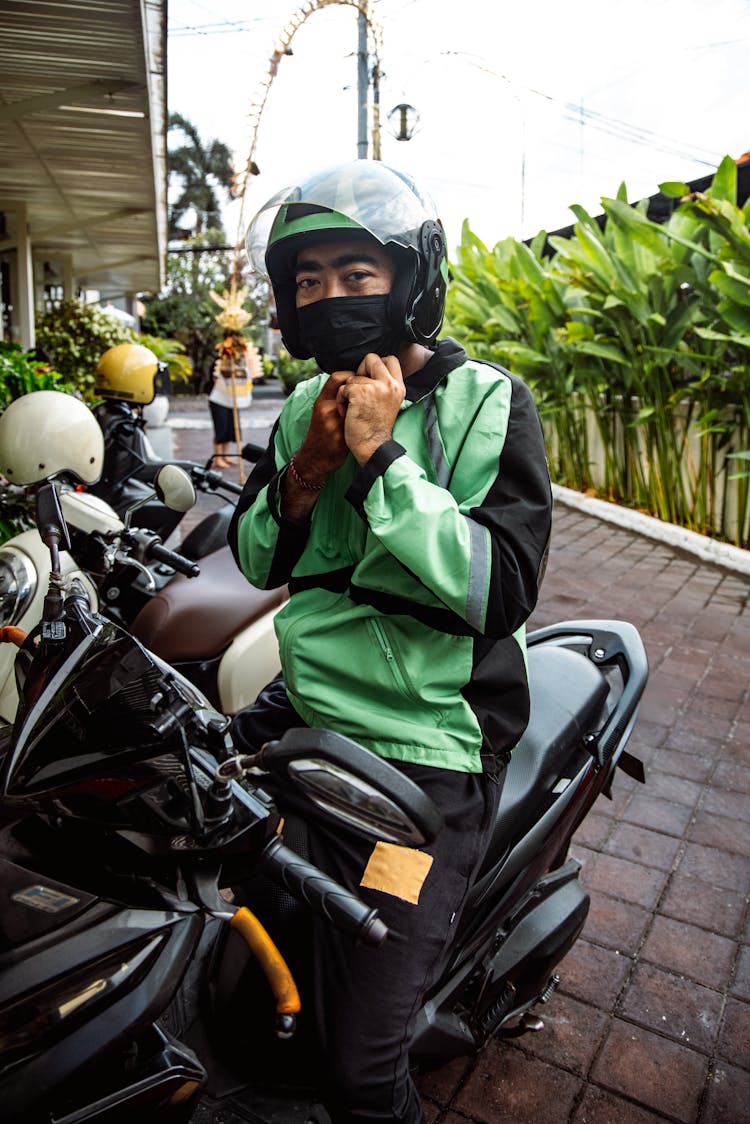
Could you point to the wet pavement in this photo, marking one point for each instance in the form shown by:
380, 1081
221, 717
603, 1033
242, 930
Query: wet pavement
652, 1018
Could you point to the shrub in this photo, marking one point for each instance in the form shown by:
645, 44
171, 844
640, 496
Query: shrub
638, 334
293, 371
21, 372
75, 335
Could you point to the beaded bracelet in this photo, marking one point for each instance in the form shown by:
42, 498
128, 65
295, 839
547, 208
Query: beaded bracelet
300, 480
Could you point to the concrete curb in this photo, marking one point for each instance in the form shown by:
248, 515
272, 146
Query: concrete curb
708, 550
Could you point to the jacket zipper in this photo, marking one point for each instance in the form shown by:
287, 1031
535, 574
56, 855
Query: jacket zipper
400, 676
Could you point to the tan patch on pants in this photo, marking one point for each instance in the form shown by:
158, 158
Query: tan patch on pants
399, 871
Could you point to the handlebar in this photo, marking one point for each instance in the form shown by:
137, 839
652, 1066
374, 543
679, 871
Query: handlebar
211, 479
322, 894
205, 478
183, 565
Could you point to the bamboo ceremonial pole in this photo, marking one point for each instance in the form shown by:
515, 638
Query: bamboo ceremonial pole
236, 419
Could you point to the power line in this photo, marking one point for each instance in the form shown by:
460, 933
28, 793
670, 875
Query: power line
226, 27
636, 134
622, 130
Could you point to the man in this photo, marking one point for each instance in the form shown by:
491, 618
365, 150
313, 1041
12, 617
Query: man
405, 498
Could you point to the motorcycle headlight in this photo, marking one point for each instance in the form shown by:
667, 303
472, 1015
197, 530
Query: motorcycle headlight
18, 581
32, 1024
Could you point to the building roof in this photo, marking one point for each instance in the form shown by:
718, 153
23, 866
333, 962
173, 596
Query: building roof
83, 136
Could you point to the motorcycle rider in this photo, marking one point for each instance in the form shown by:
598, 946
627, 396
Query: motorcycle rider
405, 498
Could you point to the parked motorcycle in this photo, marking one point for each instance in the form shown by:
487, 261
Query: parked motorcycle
131, 380
197, 625
206, 619
122, 820
219, 628
130, 467
125, 816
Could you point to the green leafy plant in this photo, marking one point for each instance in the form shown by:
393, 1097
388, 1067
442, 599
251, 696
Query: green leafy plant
171, 352
13, 517
21, 373
635, 337
75, 335
293, 371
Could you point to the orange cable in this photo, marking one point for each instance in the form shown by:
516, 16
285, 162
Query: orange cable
11, 635
270, 959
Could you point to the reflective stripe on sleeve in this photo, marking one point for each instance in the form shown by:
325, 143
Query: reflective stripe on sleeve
478, 574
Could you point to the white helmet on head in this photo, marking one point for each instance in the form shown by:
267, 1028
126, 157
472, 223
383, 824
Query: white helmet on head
47, 432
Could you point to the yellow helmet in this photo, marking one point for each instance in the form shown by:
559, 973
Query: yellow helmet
128, 372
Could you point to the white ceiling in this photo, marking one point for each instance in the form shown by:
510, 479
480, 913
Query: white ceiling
94, 183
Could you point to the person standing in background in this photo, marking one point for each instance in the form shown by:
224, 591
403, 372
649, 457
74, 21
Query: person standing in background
232, 391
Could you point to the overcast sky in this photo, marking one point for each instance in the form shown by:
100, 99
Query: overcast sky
525, 108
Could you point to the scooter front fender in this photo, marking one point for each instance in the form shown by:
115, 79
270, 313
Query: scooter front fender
250, 662
36, 556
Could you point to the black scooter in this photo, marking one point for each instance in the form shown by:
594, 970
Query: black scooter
128, 983
127, 484
130, 467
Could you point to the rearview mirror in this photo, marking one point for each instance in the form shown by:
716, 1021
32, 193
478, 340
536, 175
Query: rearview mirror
50, 521
174, 488
252, 452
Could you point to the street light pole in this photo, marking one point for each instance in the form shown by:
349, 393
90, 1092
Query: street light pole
363, 85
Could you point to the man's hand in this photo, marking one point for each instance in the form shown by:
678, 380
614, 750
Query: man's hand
321, 453
324, 448
369, 403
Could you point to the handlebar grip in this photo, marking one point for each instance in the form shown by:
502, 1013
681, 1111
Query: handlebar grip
183, 565
337, 905
210, 479
230, 486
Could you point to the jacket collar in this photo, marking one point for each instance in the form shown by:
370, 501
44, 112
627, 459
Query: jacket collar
448, 355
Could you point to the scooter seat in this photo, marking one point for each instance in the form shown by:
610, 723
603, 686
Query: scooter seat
567, 696
197, 618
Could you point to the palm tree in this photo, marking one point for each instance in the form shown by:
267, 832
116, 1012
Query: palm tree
201, 168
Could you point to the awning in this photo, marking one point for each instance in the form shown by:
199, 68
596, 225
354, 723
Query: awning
83, 144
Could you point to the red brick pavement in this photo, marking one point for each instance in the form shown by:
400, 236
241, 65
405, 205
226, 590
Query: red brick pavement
652, 1019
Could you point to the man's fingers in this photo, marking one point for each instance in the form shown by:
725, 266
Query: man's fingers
376, 367
394, 367
372, 367
331, 386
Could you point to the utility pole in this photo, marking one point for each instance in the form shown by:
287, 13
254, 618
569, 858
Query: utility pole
363, 85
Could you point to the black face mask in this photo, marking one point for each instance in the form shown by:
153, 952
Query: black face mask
340, 331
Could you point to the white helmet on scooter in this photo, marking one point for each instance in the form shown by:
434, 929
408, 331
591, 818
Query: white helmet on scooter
47, 432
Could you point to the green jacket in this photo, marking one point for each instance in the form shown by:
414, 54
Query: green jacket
411, 584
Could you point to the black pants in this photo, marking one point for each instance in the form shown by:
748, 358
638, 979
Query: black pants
223, 421
366, 1000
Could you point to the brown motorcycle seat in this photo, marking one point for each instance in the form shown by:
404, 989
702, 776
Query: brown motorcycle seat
197, 618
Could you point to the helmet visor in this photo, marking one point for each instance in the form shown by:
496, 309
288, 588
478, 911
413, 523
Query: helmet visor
384, 202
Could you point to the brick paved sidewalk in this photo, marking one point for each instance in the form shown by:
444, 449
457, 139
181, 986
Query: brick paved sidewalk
652, 1019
